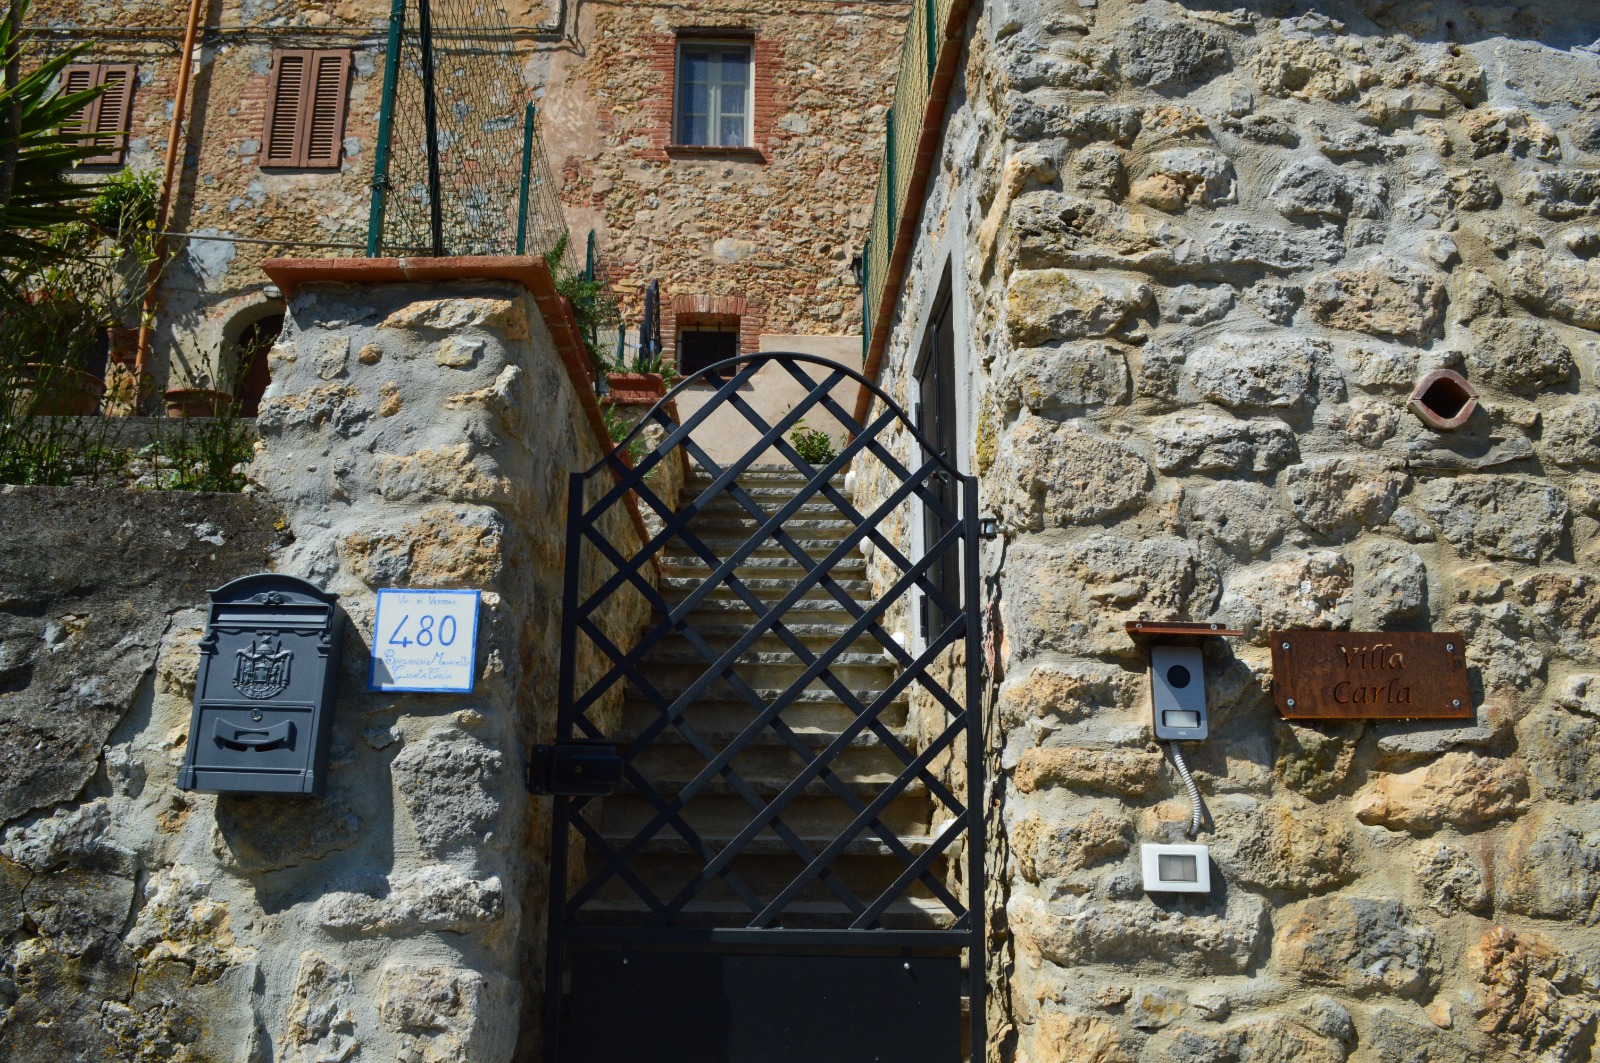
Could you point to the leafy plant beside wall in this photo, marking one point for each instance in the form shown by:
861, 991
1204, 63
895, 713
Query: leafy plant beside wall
812, 444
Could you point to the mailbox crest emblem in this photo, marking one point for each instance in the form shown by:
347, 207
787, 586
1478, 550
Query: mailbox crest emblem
262, 671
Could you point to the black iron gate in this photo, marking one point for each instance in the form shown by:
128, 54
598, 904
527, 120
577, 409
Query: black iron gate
753, 892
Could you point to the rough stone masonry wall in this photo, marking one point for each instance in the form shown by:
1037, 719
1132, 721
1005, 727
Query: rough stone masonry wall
413, 437
776, 226
1202, 256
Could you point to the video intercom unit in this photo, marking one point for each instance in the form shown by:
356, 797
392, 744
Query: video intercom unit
1178, 692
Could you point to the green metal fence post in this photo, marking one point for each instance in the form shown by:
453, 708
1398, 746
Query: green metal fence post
430, 116
932, 36
888, 164
527, 170
380, 159
588, 265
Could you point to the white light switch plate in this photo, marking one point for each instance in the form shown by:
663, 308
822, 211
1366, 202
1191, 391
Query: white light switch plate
1176, 868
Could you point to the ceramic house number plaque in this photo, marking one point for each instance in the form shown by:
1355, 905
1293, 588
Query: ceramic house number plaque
1370, 675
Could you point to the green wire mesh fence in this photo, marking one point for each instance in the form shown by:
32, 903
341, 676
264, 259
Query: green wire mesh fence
460, 167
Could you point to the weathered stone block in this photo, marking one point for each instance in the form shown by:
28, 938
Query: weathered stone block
1187, 177
1391, 586
1564, 752
1243, 243
1043, 306
1501, 517
504, 316
449, 782
1562, 194
1197, 443
1245, 372
1451, 881
1462, 790
1385, 297
1534, 999
321, 1022
1306, 590
1311, 189
266, 833
1572, 433
1281, 846
1339, 495
1242, 519
1194, 935
1549, 867
1075, 597
1360, 945
1073, 378
1168, 53
1493, 130
1128, 772
433, 898
1040, 456
1562, 287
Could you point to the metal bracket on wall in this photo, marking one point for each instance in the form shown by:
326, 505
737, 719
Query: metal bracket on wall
575, 769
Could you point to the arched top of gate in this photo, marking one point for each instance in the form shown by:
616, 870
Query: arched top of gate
722, 374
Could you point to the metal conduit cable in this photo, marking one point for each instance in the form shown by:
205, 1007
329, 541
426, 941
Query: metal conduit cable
1196, 810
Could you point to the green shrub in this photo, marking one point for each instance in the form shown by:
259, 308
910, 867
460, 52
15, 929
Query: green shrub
813, 445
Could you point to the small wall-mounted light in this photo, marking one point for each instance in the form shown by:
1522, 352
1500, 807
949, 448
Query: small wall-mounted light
1443, 400
989, 527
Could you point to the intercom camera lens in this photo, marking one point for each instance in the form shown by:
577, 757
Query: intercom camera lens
1178, 677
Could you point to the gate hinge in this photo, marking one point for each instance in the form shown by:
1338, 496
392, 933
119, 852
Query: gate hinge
575, 769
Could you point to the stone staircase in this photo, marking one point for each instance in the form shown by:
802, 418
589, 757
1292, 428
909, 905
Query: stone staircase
767, 864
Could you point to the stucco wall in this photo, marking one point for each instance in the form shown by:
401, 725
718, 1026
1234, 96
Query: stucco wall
1199, 259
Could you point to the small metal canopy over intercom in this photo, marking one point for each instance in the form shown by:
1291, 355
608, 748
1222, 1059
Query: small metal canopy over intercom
263, 701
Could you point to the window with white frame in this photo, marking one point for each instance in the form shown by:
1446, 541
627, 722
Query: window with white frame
714, 93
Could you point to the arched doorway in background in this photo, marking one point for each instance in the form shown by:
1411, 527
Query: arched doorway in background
251, 373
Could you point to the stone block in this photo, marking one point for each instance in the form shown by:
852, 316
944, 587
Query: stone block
1187, 443
1563, 750
431, 898
1245, 372
1233, 244
1281, 845
266, 833
1312, 590
1549, 866
1362, 946
1075, 378
1572, 433
1074, 598
1342, 495
1562, 287
1043, 306
1241, 519
1164, 53
1499, 517
1185, 177
1126, 772
1461, 790
1384, 297
1038, 456
1520, 354
450, 785
1451, 881
503, 316
321, 1023
1533, 999
448, 1014
1391, 586
1508, 130
446, 546
1194, 935
1308, 188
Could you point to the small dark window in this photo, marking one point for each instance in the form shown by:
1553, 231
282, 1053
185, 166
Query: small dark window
703, 345
306, 109
104, 121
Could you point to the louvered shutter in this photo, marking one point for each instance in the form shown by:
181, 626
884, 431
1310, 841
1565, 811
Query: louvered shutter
325, 113
113, 113
286, 97
78, 78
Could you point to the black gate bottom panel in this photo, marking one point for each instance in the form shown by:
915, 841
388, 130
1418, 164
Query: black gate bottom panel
680, 1006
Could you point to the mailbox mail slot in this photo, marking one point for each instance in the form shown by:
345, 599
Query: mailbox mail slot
263, 701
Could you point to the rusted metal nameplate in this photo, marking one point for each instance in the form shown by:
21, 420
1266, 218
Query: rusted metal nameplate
1370, 675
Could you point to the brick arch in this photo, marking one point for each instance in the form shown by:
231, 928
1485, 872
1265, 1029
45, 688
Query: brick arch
697, 308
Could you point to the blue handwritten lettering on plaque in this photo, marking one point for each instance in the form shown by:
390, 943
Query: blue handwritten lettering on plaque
425, 641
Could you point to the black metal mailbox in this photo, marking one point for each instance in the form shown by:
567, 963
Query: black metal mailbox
263, 701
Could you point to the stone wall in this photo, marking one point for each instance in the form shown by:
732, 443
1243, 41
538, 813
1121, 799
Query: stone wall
1200, 257
770, 230
414, 436
116, 938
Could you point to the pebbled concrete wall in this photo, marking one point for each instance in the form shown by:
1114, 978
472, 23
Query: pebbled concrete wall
1199, 257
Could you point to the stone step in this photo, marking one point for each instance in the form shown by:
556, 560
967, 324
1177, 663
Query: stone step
685, 564
865, 785
720, 637
677, 588
767, 843
709, 716
725, 546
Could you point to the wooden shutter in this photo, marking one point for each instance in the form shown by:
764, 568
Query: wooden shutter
280, 143
306, 109
325, 109
113, 113
80, 77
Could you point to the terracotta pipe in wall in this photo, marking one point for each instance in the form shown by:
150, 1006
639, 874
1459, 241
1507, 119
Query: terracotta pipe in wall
169, 173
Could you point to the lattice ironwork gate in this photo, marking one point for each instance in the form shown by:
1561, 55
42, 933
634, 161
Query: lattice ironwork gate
768, 842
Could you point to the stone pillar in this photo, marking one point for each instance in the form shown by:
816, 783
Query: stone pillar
418, 432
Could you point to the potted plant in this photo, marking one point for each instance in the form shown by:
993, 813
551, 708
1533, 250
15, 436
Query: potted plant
56, 390
194, 396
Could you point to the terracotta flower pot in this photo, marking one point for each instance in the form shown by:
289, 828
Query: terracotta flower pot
57, 391
196, 402
635, 389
